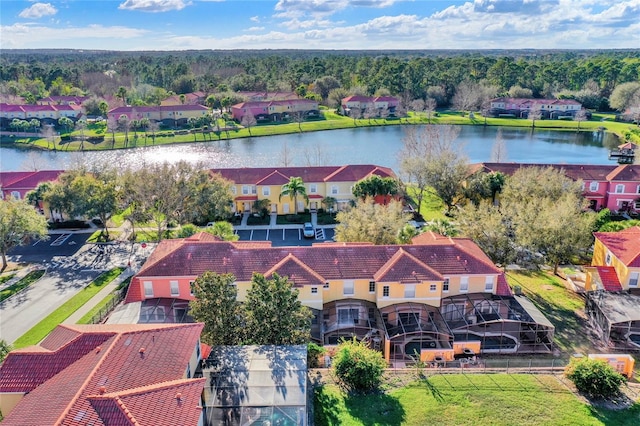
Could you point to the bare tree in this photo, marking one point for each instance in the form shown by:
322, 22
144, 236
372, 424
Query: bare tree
579, 117
285, 155
248, 121
535, 113
499, 149
417, 106
316, 156
429, 107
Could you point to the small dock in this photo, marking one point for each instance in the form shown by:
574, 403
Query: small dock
624, 154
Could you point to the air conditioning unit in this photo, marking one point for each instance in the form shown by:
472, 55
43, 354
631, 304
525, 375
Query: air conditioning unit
472, 319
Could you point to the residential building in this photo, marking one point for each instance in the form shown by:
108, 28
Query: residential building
139, 374
170, 115
265, 183
435, 297
276, 110
616, 187
62, 100
193, 98
378, 105
520, 107
18, 184
46, 113
613, 287
268, 96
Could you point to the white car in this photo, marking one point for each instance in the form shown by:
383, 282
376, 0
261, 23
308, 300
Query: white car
308, 230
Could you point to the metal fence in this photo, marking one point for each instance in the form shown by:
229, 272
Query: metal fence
106, 310
491, 365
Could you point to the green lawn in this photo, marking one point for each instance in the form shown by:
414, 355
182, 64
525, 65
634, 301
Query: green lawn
331, 121
5, 278
561, 306
86, 319
23, 283
476, 400
432, 206
44, 327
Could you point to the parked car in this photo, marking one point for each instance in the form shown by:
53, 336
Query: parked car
308, 230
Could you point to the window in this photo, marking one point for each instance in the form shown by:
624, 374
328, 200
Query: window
152, 314
409, 319
348, 288
254, 190
487, 307
15, 194
433, 287
593, 186
326, 286
348, 315
191, 284
372, 286
488, 284
245, 189
385, 291
453, 311
148, 289
175, 288
638, 190
266, 191
607, 259
619, 188
314, 290
334, 189
313, 188
410, 291
633, 279
445, 285
464, 284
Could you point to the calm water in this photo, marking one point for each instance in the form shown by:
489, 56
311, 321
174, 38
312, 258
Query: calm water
371, 145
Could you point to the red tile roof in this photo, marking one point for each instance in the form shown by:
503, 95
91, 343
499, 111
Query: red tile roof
625, 244
609, 278
404, 268
27, 181
626, 172
586, 172
297, 272
132, 363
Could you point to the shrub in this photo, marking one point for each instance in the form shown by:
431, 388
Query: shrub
313, 355
594, 377
187, 230
358, 368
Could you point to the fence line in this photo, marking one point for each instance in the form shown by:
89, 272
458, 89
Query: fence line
106, 310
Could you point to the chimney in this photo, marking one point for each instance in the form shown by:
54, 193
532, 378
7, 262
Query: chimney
102, 390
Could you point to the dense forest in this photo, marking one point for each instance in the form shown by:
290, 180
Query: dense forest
590, 76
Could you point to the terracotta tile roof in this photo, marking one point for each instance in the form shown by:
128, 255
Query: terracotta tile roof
503, 288
586, 172
274, 178
170, 403
626, 172
297, 272
355, 173
32, 180
625, 244
609, 278
7, 178
404, 268
105, 359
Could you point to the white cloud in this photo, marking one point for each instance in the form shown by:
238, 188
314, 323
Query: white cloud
255, 19
38, 10
18, 36
154, 5
255, 29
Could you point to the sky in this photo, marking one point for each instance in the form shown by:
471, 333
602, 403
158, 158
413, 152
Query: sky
319, 24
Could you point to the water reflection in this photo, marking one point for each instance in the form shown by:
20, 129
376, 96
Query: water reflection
372, 145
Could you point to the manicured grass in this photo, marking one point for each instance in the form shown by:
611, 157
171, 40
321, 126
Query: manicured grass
291, 219
333, 121
497, 399
86, 319
5, 278
23, 283
432, 206
147, 235
99, 236
44, 327
561, 306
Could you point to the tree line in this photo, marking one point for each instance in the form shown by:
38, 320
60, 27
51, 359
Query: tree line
589, 76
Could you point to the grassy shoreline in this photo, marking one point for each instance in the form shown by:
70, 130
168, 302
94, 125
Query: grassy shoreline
332, 121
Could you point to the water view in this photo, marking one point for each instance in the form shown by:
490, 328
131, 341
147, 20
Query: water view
370, 145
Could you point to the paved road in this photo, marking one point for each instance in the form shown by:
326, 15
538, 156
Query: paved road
66, 275
286, 237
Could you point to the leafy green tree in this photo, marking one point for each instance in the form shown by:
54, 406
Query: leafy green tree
19, 223
122, 94
594, 377
625, 95
187, 230
314, 352
603, 217
5, 348
293, 189
371, 222
329, 202
215, 304
358, 368
375, 185
223, 230
66, 123
274, 314
443, 227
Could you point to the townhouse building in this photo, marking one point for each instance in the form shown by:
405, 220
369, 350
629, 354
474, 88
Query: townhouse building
275, 110
376, 104
520, 107
46, 113
171, 115
437, 298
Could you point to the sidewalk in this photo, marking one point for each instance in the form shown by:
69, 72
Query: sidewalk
20, 274
91, 303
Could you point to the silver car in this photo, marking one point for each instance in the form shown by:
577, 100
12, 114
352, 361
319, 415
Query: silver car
308, 230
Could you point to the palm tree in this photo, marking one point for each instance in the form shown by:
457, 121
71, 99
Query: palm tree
122, 94
38, 194
293, 189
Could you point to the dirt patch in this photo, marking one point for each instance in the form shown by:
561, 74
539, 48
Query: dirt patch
548, 287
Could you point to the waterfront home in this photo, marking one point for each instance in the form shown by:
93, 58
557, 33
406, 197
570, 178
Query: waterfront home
520, 107
276, 110
170, 115
137, 374
267, 96
62, 100
378, 105
192, 98
46, 114
437, 297
265, 183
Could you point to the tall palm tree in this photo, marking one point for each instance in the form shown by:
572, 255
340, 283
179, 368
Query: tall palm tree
294, 188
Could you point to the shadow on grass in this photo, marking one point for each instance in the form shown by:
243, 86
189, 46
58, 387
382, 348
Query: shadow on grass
435, 392
613, 417
375, 409
326, 411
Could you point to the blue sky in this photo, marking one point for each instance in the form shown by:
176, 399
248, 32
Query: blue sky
319, 24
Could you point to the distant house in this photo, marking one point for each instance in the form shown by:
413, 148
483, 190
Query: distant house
438, 296
275, 111
379, 105
613, 287
18, 184
268, 96
520, 107
616, 187
45, 113
62, 100
106, 375
259, 183
193, 98
170, 115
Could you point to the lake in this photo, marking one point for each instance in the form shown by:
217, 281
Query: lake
367, 145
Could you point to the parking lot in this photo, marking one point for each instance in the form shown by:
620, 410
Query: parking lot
286, 237
57, 245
